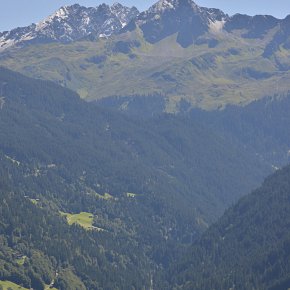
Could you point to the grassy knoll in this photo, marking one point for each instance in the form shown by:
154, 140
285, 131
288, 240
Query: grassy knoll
34, 201
48, 288
106, 196
21, 261
84, 219
130, 194
6, 285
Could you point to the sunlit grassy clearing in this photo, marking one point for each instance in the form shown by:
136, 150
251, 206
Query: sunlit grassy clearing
13, 286
21, 261
84, 219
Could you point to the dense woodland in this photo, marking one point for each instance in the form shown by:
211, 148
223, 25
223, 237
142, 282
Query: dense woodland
248, 248
53, 250
153, 184
263, 126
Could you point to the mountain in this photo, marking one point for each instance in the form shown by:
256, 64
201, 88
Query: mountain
281, 40
71, 23
249, 247
119, 194
148, 187
181, 17
175, 49
253, 26
261, 126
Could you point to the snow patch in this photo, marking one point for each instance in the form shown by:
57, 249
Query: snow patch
275, 167
12, 160
161, 6
165, 5
6, 44
102, 35
217, 26
2, 102
71, 23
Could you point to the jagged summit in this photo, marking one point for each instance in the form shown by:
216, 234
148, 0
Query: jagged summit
183, 17
178, 6
124, 13
163, 5
71, 23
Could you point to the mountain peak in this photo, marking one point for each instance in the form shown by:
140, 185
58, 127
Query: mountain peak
163, 5
125, 14
117, 5
103, 7
70, 23
181, 17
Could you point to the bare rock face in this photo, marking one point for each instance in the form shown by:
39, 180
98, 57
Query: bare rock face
183, 17
72, 23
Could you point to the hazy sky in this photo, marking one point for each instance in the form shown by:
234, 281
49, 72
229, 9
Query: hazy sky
15, 13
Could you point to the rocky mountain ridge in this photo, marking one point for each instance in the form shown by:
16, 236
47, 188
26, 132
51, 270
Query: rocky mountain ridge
166, 17
175, 48
183, 17
71, 23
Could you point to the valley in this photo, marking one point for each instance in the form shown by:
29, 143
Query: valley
145, 150
255, 227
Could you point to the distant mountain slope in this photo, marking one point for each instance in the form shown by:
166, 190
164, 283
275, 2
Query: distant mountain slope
71, 23
175, 49
249, 247
262, 126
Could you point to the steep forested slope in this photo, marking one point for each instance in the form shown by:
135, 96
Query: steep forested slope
262, 126
38, 247
249, 247
52, 130
150, 186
